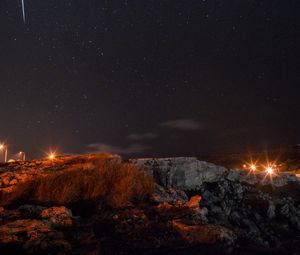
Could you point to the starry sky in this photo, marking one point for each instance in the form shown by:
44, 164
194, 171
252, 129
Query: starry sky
149, 78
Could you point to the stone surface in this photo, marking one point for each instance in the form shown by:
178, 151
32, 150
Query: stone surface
58, 216
32, 235
185, 173
195, 203
162, 195
259, 208
191, 173
196, 234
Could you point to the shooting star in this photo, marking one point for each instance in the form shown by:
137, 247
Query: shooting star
23, 11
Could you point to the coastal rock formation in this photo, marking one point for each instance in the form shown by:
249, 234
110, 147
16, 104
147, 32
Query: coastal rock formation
189, 173
195, 206
262, 209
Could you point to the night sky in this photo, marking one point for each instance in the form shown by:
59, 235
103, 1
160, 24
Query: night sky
149, 78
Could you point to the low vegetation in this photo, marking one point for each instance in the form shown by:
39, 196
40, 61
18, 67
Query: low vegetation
108, 183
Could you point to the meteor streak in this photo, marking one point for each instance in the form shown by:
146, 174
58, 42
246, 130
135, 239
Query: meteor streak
23, 11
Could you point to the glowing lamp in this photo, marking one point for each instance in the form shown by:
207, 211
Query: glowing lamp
253, 167
270, 170
23, 155
51, 156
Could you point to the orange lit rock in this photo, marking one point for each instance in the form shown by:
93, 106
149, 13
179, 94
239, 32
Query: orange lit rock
202, 234
164, 205
194, 202
58, 216
5, 181
32, 235
13, 182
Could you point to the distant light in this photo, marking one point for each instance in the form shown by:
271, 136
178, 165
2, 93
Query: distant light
253, 167
270, 170
51, 155
2, 146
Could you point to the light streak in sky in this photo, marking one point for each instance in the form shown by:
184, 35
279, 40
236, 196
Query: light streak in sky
23, 11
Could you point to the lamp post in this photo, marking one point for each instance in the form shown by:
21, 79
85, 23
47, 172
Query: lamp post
4, 147
22, 153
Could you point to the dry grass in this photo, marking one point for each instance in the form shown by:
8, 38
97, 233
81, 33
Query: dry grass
108, 182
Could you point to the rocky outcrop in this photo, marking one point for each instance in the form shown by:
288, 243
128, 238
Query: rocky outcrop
196, 234
32, 229
191, 173
264, 210
194, 204
265, 217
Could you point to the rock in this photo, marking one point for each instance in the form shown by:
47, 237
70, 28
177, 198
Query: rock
13, 182
201, 216
191, 173
58, 216
161, 195
30, 211
183, 173
13, 231
5, 181
34, 236
271, 210
196, 234
194, 202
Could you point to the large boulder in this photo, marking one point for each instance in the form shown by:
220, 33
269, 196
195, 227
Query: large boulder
182, 172
189, 173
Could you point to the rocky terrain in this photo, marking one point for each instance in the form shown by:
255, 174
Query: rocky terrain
195, 207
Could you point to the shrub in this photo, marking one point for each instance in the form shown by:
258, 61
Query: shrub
108, 182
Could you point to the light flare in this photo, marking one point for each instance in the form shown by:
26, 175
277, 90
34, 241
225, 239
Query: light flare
52, 155
270, 170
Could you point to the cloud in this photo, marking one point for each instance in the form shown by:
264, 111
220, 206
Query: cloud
123, 150
142, 136
183, 124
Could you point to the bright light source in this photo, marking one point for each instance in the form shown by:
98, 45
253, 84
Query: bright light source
51, 156
2, 146
253, 167
270, 170
23, 155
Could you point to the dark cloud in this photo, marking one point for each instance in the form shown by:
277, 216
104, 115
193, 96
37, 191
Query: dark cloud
142, 136
183, 124
123, 150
